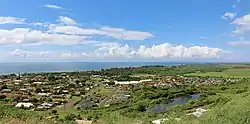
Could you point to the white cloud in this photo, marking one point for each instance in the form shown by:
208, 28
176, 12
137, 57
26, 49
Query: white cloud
65, 33
67, 20
11, 20
29, 36
120, 52
243, 24
115, 51
121, 33
169, 51
118, 33
46, 55
53, 6
26, 54
240, 43
162, 51
74, 30
229, 15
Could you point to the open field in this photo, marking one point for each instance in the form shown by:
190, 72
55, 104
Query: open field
237, 73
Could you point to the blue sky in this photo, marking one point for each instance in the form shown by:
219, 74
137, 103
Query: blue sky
128, 30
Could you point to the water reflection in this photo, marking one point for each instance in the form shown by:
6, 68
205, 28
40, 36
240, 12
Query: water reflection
176, 101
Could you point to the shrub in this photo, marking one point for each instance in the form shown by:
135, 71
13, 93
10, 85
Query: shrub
53, 111
2, 97
70, 117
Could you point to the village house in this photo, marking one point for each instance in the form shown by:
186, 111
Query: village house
25, 105
6, 90
85, 122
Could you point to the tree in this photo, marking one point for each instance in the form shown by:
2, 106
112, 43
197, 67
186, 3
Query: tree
70, 117
53, 111
38, 90
51, 78
2, 97
141, 108
4, 87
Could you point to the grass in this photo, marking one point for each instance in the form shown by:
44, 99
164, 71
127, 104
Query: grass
231, 107
233, 73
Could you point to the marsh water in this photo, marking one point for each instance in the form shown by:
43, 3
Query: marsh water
176, 101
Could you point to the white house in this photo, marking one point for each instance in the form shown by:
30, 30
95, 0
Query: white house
25, 105
126, 82
132, 82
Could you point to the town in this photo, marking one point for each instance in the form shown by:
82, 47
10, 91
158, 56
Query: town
90, 90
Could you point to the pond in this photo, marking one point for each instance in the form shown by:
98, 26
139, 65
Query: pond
176, 101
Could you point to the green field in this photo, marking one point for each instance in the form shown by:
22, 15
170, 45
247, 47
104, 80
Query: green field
231, 107
237, 73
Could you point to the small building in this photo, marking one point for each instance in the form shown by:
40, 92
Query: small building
47, 104
84, 122
44, 94
25, 105
39, 83
6, 90
26, 100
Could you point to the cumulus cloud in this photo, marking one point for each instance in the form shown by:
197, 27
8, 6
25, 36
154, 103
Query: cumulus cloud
53, 6
169, 51
119, 52
115, 51
65, 33
29, 36
159, 51
11, 20
243, 24
67, 20
229, 15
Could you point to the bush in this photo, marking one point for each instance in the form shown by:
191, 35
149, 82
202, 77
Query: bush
70, 117
211, 93
240, 91
223, 88
2, 97
53, 111
141, 108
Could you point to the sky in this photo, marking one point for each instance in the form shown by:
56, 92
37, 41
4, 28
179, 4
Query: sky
124, 30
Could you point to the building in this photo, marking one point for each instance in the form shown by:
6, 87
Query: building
6, 90
25, 105
85, 122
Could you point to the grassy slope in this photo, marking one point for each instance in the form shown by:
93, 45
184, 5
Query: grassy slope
235, 111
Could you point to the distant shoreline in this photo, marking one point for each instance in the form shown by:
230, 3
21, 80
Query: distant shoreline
39, 67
